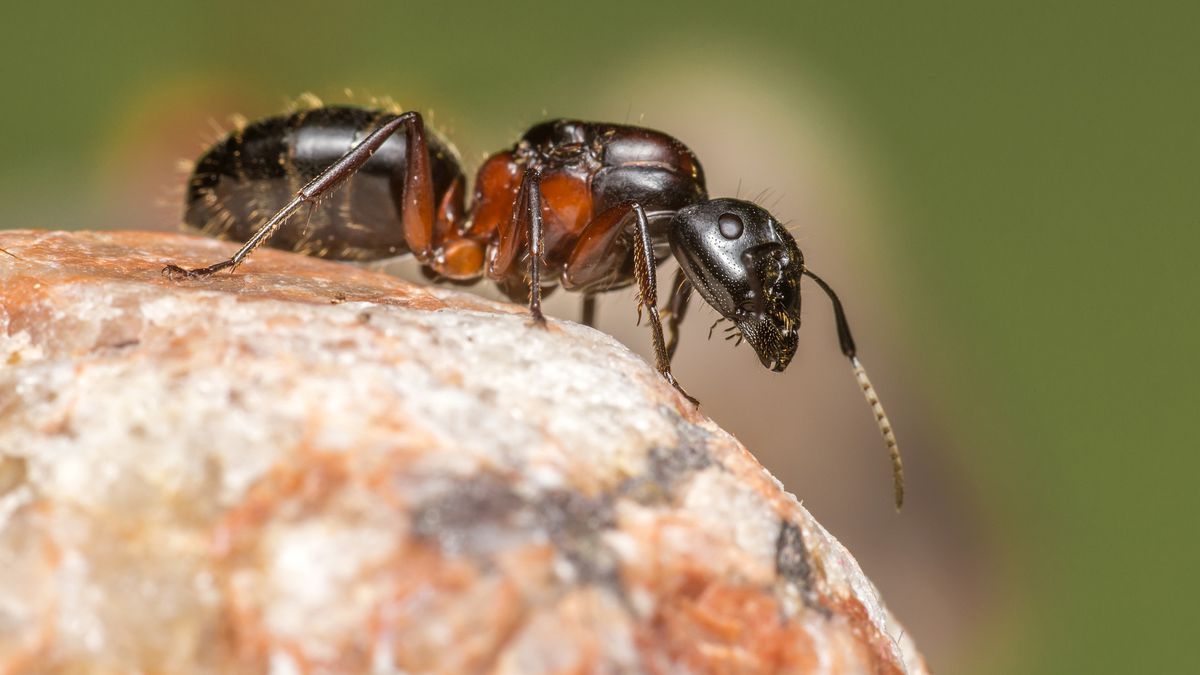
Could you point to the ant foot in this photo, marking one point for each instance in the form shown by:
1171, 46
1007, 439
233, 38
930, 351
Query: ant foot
538, 319
675, 383
177, 273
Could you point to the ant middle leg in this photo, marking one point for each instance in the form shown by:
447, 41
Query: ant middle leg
537, 244
524, 227
588, 310
417, 208
681, 295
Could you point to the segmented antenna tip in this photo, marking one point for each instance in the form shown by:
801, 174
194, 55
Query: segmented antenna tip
885, 428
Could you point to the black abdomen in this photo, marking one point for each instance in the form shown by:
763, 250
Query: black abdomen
242, 180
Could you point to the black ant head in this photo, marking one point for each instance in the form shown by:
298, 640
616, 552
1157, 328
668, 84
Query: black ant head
747, 267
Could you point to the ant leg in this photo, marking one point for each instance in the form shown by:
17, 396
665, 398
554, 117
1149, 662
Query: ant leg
527, 219
589, 310
681, 294
416, 210
644, 268
264, 233
602, 250
537, 247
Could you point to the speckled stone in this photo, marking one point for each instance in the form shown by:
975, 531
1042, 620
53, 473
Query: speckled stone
308, 467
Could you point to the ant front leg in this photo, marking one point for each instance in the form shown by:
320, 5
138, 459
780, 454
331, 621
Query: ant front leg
644, 266
681, 294
416, 209
603, 248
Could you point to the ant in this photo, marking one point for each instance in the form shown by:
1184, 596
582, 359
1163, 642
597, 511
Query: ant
588, 206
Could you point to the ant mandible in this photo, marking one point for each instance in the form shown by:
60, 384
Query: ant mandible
588, 206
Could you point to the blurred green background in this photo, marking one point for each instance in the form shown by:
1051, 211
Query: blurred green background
1008, 199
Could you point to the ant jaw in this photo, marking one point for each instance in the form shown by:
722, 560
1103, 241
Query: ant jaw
775, 364
773, 341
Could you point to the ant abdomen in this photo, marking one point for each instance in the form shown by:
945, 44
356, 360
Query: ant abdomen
242, 179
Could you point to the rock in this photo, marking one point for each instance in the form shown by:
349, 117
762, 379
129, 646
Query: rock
307, 467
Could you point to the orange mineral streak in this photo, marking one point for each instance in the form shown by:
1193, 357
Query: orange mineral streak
289, 493
875, 646
479, 611
722, 628
311, 485
50, 261
21, 291
476, 613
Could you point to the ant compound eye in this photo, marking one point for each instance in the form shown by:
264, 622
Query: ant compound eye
730, 225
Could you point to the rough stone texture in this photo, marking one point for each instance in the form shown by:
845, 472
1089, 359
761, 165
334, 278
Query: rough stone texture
312, 468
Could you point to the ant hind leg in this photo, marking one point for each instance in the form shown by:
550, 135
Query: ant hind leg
417, 209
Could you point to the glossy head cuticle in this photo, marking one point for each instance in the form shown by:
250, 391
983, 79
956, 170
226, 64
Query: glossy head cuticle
748, 268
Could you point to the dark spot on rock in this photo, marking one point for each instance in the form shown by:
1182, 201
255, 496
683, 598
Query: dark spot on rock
791, 556
666, 467
793, 566
482, 515
466, 517
576, 524
692, 436
236, 398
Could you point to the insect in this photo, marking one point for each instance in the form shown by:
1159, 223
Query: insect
587, 206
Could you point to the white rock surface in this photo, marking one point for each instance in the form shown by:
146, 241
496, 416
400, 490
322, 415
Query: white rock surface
310, 468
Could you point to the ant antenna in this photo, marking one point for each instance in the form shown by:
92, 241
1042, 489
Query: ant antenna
860, 374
